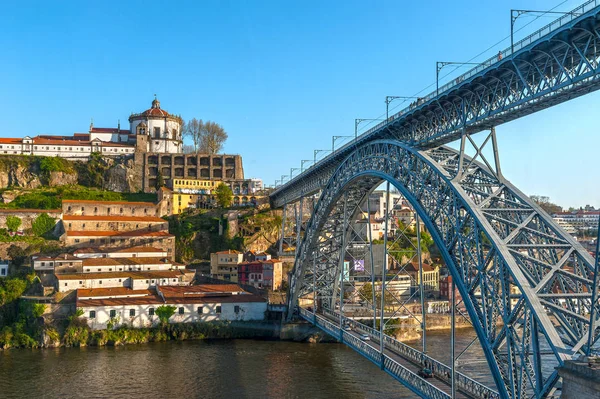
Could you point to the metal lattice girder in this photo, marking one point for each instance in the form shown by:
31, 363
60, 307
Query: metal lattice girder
526, 283
558, 63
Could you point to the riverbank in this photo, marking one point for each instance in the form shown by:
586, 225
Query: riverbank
80, 335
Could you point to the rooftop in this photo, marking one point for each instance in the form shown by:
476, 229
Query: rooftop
110, 292
116, 218
75, 201
134, 275
71, 233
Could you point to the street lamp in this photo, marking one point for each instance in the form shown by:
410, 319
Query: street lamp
515, 14
389, 99
358, 122
439, 65
316, 153
334, 139
302, 162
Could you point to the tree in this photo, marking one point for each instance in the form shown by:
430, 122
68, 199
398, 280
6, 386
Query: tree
17, 255
213, 137
224, 195
13, 223
189, 149
545, 204
42, 224
164, 313
193, 129
160, 180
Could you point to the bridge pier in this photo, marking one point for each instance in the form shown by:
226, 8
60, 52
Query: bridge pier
581, 379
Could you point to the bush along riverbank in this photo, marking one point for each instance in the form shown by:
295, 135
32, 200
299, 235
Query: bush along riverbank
78, 334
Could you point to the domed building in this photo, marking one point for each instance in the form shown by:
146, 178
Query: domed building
157, 131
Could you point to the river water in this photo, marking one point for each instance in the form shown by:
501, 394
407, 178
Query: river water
212, 369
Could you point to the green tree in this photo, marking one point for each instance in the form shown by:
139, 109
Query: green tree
160, 180
17, 255
164, 313
224, 195
13, 223
42, 225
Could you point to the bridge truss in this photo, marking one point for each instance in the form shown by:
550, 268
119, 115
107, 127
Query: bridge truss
526, 284
529, 289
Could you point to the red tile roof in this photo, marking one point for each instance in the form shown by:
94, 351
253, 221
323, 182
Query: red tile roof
7, 140
75, 201
170, 291
125, 261
71, 233
135, 275
229, 252
109, 130
116, 291
116, 218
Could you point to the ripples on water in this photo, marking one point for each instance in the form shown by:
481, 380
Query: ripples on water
205, 369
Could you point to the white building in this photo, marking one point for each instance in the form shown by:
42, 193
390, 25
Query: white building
153, 130
136, 280
162, 129
571, 222
3, 268
201, 303
133, 252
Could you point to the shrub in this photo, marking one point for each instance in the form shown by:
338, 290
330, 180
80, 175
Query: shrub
224, 195
13, 222
42, 225
164, 313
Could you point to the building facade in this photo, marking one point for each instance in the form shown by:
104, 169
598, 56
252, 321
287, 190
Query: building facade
137, 308
198, 193
262, 274
224, 265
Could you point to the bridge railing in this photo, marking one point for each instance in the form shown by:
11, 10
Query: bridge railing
441, 370
372, 353
540, 33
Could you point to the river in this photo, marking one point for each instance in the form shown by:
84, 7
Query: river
211, 369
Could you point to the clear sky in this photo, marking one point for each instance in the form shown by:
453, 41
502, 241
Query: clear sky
282, 77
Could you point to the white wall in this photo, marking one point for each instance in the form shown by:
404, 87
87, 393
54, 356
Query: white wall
247, 311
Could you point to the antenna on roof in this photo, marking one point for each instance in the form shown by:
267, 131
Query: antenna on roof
118, 125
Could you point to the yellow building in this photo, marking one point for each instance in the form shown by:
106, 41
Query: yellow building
194, 193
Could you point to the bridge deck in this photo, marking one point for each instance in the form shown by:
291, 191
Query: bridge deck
400, 360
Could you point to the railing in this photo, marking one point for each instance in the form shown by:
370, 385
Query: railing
441, 370
372, 353
540, 33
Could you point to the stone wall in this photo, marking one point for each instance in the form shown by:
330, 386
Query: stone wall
26, 215
109, 208
193, 166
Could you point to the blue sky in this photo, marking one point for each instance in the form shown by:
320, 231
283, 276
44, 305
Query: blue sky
281, 77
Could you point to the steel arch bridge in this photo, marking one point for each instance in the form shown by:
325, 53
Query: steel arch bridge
529, 288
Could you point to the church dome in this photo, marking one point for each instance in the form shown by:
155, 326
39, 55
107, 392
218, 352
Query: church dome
154, 112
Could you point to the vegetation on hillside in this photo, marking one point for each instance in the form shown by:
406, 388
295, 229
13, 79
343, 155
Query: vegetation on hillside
197, 235
51, 197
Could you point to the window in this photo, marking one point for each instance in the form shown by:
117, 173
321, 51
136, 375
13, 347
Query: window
113, 313
181, 310
151, 312
99, 281
65, 284
92, 314
131, 312
77, 240
218, 310
157, 132
200, 309
236, 309
80, 282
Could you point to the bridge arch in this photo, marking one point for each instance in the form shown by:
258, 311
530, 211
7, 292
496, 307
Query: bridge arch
509, 260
